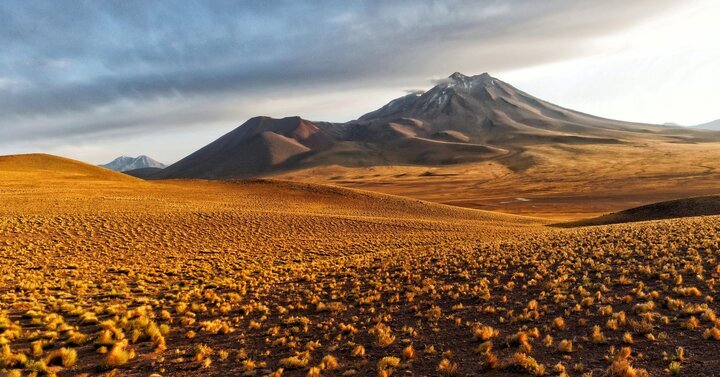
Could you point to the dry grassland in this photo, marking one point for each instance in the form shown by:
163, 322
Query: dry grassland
559, 182
105, 274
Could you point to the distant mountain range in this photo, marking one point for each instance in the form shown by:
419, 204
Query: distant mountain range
714, 126
462, 119
124, 163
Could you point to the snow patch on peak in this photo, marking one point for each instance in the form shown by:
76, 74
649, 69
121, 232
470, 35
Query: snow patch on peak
468, 83
457, 76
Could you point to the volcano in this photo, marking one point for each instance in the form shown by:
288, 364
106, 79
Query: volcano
461, 119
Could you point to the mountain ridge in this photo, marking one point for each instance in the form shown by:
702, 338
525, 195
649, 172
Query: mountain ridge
461, 119
126, 163
712, 126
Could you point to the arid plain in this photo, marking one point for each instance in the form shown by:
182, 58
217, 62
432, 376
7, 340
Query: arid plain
107, 274
562, 182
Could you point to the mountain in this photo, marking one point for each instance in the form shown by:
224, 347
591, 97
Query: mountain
713, 126
461, 119
261, 144
487, 110
125, 163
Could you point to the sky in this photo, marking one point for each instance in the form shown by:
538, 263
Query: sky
93, 80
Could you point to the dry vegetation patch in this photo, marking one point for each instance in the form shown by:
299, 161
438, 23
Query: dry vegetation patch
217, 279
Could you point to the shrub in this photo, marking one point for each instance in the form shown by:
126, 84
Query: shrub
119, 355
387, 365
565, 346
447, 368
528, 364
408, 352
67, 357
484, 333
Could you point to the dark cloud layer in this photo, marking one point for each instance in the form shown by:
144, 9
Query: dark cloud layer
64, 60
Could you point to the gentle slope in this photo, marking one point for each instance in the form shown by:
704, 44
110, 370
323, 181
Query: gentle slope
689, 207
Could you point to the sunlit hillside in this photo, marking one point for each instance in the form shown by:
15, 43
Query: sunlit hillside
277, 278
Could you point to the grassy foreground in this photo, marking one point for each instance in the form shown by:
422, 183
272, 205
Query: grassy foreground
104, 274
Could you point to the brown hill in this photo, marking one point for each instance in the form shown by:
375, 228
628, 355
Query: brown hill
689, 207
35, 169
36, 182
261, 144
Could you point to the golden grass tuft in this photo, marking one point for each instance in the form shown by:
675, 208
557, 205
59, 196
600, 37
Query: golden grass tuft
387, 365
565, 346
118, 355
447, 368
67, 357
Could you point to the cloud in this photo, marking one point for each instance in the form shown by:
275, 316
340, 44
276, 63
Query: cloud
77, 68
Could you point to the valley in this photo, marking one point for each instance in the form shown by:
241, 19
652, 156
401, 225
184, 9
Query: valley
557, 182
